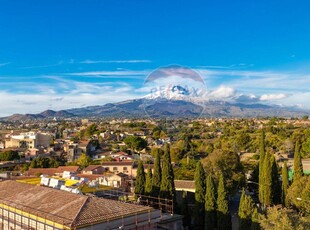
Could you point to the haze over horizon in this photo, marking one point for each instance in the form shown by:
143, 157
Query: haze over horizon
60, 55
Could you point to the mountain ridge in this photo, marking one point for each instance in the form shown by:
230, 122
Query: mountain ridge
154, 108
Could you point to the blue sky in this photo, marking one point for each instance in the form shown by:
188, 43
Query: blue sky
63, 54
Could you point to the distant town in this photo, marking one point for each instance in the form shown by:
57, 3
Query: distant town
110, 173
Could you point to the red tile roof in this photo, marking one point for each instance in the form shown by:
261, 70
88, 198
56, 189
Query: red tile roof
64, 207
92, 167
51, 171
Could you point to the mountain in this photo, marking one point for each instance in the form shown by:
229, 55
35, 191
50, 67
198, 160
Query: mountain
160, 108
48, 114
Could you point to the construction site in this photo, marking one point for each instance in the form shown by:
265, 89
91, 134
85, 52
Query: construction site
28, 206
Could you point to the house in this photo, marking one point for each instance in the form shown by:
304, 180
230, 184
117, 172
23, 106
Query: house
94, 169
117, 167
115, 180
73, 151
48, 208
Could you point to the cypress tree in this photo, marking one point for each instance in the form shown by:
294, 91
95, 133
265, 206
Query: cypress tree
267, 182
284, 184
276, 186
148, 182
210, 204
255, 220
262, 154
298, 169
140, 179
200, 191
185, 211
156, 180
167, 188
246, 208
223, 214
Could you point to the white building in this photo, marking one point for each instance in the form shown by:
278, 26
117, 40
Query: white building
28, 140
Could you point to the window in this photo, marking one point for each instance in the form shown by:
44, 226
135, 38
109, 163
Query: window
114, 168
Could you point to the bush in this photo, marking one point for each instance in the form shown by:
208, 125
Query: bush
9, 155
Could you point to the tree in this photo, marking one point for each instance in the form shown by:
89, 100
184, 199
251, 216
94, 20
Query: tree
298, 194
200, 191
185, 211
9, 155
90, 130
83, 161
43, 162
167, 188
210, 204
148, 182
284, 184
279, 218
135, 143
267, 194
156, 180
261, 165
223, 214
298, 169
255, 220
276, 186
228, 163
140, 179
246, 208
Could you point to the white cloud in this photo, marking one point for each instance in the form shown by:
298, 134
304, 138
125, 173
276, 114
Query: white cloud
223, 92
110, 74
113, 61
269, 97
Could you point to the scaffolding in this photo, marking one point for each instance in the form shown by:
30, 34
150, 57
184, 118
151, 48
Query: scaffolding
16, 216
163, 204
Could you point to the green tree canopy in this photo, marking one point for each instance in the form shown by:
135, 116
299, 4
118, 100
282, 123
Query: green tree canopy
43, 162
284, 184
148, 182
298, 169
246, 209
210, 204
200, 191
83, 161
9, 155
135, 143
140, 179
156, 180
223, 213
262, 154
167, 188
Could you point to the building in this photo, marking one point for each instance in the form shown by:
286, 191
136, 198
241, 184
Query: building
126, 167
94, 169
28, 140
114, 180
117, 167
26, 206
52, 171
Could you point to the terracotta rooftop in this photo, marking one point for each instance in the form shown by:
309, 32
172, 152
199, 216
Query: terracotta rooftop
52, 171
116, 163
64, 207
91, 167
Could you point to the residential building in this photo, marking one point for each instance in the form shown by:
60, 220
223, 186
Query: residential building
26, 206
94, 169
28, 140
